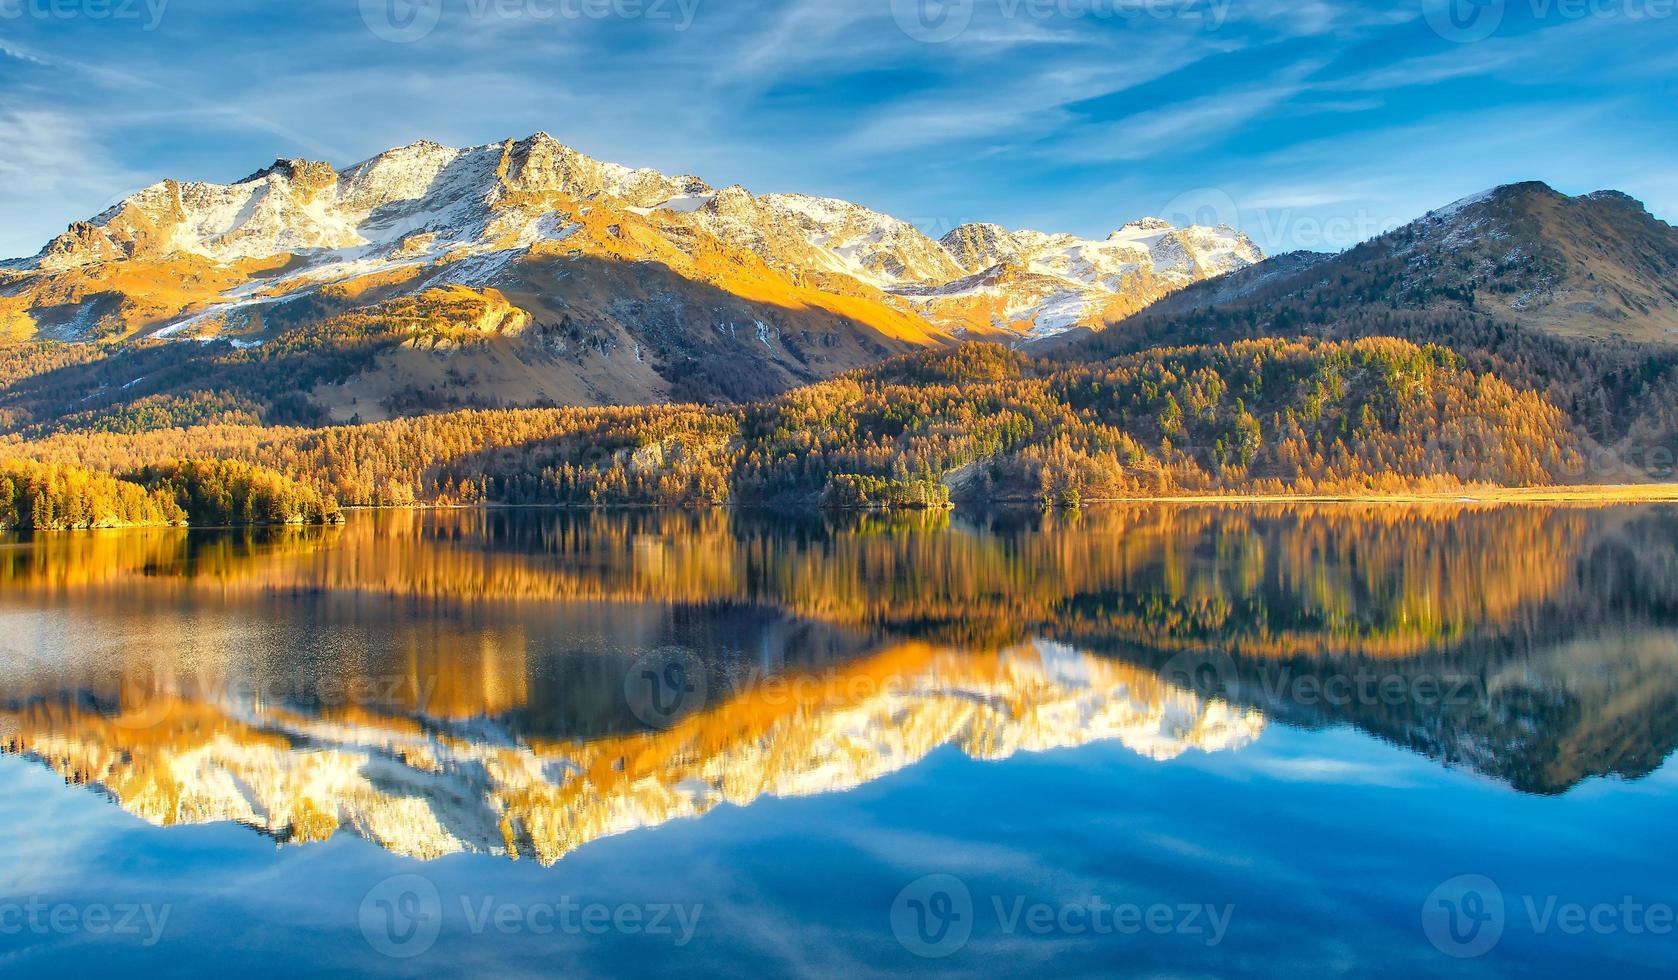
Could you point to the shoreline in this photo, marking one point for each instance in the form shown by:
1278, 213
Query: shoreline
1649, 493
1603, 496
1644, 493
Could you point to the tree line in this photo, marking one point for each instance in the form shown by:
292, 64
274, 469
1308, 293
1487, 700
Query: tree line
972, 422
211, 492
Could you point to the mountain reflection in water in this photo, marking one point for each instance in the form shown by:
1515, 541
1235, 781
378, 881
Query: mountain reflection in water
520, 683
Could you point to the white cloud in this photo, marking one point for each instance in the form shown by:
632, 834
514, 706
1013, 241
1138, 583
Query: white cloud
1186, 124
50, 165
1307, 18
16, 51
796, 34
1324, 770
1029, 105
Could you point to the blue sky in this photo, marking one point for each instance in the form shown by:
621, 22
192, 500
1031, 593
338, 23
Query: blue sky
1311, 123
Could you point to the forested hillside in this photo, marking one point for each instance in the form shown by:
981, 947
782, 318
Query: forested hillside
975, 422
58, 496
1576, 298
1512, 339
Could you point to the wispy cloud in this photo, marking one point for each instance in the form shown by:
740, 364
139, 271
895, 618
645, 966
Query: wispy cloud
770, 43
20, 53
50, 165
1308, 18
1031, 104
1080, 122
1182, 126
1326, 770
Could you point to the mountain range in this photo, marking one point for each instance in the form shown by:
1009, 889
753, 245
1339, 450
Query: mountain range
1597, 266
1575, 298
1516, 337
579, 281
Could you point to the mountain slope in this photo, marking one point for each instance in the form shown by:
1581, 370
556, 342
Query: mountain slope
1596, 266
526, 273
1043, 285
975, 424
1575, 297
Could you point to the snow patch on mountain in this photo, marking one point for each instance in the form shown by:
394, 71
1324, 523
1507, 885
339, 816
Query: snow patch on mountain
468, 214
1051, 283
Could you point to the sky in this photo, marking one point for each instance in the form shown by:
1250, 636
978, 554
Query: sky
1307, 123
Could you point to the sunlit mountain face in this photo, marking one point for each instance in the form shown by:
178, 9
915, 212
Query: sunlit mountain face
521, 684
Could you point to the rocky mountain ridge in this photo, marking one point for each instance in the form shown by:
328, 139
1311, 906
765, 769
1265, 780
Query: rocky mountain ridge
1594, 266
440, 216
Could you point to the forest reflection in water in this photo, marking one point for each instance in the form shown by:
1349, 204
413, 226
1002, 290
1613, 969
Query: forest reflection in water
522, 682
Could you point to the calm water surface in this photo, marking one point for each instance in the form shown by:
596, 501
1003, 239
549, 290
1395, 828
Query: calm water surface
1166, 741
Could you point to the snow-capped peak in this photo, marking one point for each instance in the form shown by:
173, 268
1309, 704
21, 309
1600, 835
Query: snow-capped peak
1462, 204
1141, 226
435, 204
